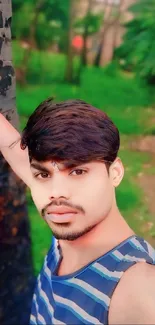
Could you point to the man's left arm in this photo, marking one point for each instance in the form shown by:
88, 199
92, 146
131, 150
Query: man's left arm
133, 301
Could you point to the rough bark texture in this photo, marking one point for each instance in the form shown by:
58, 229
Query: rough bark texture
16, 272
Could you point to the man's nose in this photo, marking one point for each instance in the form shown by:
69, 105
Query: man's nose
59, 188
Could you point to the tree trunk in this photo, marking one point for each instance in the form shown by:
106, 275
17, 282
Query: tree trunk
115, 34
110, 21
86, 34
16, 271
84, 49
69, 67
99, 53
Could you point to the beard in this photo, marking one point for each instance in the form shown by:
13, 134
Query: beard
64, 234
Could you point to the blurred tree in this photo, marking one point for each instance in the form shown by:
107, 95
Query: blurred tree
87, 26
138, 48
43, 22
69, 74
40, 23
16, 271
16, 5
112, 19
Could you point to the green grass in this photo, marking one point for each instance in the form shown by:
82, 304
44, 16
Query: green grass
126, 103
41, 237
129, 194
124, 99
150, 130
43, 67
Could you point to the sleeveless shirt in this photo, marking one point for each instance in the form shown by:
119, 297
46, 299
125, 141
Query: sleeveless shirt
84, 297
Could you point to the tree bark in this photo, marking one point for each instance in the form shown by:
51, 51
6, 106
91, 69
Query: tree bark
86, 34
99, 53
16, 270
103, 34
69, 67
84, 49
107, 24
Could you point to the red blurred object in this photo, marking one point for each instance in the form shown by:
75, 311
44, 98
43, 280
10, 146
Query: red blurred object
77, 42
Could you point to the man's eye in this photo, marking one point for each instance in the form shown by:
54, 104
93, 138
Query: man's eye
77, 172
42, 175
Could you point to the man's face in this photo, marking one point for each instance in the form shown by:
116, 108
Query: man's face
72, 200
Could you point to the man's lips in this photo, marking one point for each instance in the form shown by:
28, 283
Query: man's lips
60, 214
60, 210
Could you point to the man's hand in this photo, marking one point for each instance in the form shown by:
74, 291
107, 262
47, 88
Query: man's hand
10, 148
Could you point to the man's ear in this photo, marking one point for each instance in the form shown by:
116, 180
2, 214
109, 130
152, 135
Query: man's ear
116, 172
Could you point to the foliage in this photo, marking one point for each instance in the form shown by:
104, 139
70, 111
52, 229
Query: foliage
41, 235
122, 97
43, 68
150, 130
22, 18
48, 18
91, 22
16, 5
138, 48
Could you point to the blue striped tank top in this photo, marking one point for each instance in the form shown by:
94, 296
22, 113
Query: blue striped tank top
84, 297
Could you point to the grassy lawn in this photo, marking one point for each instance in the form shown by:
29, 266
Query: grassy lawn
41, 236
126, 101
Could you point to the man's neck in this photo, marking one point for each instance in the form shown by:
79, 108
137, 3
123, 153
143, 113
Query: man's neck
101, 239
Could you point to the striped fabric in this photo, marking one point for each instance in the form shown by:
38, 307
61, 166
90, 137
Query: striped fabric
84, 296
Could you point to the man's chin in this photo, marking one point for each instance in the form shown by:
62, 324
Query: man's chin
70, 235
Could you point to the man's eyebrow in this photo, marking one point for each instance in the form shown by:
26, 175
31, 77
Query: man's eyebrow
61, 165
39, 167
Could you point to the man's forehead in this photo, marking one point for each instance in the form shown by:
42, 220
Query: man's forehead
57, 165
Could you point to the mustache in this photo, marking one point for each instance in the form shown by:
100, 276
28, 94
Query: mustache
63, 203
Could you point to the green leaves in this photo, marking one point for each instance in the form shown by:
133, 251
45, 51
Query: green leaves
47, 19
91, 21
138, 48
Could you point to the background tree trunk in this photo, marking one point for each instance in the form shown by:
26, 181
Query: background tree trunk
108, 23
86, 34
69, 74
16, 271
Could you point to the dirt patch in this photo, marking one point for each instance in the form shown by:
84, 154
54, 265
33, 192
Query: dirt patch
144, 143
147, 182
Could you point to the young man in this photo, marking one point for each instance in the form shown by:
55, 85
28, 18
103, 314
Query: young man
97, 270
